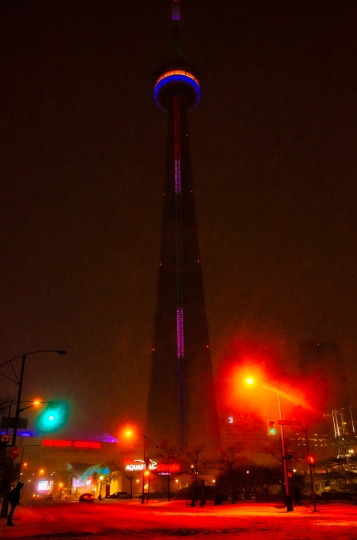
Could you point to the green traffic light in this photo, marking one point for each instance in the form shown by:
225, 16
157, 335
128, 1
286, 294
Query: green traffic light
53, 417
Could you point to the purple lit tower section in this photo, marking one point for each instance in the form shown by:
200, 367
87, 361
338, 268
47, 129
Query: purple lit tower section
181, 406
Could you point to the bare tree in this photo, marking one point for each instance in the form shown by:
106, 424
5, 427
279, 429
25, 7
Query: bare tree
114, 471
229, 464
130, 475
167, 457
238, 476
197, 463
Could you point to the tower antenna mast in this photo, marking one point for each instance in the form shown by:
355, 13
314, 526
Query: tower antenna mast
176, 30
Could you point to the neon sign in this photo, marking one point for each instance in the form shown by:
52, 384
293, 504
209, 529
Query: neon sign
50, 442
85, 444
139, 465
75, 444
168, 468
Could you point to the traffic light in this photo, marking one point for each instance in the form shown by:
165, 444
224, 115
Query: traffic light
14, 452
4, 439
311, 461
271, 427
53, 417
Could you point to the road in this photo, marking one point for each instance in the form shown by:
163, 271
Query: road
129, 520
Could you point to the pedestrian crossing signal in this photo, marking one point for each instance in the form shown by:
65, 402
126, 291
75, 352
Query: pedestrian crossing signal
14, 452
271, 427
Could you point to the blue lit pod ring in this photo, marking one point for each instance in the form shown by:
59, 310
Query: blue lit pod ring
177, 77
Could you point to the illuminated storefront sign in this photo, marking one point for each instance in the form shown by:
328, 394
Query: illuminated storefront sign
75, 444
161, 468
168, 468
85, 444
138, 465
44, 485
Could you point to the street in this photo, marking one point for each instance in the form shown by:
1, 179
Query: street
157, 520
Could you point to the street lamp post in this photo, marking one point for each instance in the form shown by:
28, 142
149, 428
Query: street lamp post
19, 382
22, 457
143, 486
313, 494
34, 403
289, 505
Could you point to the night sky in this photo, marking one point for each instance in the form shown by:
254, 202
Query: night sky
82, 159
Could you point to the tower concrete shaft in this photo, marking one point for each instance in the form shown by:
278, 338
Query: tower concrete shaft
181, 404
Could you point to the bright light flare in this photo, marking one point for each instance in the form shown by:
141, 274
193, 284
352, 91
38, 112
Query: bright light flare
249, 380
128, 433
37, 402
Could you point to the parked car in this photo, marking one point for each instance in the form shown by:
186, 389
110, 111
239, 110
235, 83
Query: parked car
86, 497
119, 495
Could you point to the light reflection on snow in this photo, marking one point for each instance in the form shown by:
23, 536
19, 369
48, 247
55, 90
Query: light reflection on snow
336, 523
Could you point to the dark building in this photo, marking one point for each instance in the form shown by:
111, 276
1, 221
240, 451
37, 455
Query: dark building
181, 405
322, 363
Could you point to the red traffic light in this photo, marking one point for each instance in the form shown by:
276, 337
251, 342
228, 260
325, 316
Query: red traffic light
311, 461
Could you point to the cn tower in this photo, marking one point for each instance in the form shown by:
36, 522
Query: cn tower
181, 408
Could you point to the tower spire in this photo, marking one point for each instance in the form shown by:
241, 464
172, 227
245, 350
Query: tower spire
176, 16
176, 30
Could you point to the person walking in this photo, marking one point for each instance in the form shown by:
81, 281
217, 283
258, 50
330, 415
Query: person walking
297, 496
14, 499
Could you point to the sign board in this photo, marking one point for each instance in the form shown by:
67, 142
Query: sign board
169, 467
75, 444
138, 465
293, 423
9, 422
44, 485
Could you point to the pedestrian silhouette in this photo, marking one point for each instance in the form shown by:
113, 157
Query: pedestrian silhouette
14, 499
297, 496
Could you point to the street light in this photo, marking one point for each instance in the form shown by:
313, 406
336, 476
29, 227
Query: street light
34, 403
289, 505
22, 457
19, 382
128, 432
145, 463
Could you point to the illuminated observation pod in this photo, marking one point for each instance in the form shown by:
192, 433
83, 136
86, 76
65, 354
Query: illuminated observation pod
177, 79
